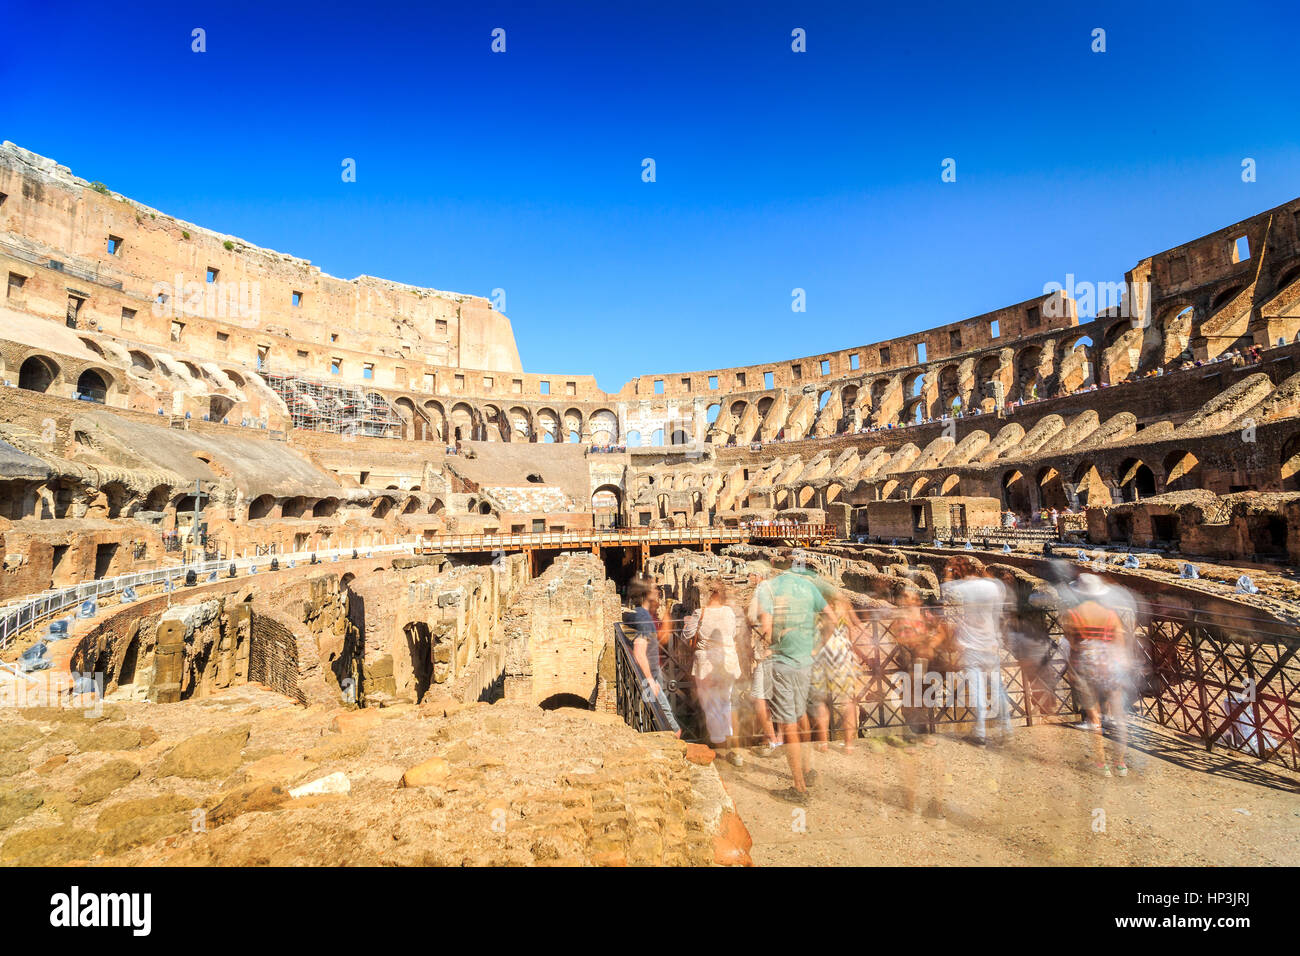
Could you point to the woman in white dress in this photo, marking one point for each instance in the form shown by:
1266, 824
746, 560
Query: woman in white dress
716, 670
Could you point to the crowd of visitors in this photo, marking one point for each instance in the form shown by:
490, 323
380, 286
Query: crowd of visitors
769, 674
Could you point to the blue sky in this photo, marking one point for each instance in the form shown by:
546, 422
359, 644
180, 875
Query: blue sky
775, 170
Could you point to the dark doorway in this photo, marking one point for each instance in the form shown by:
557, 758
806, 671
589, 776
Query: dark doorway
104, 555
556, 701
420, 644
1164, 528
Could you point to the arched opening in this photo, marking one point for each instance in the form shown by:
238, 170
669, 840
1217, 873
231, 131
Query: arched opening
412, 506
260, 507
1224, 297
325, 508
951, 485
1288, 276
1089, 487
294, 507
219, 407
1051, 490
437, 419
92, 387
1137, 481
381, 508
521, 424
436, 506
1113, 333
141, 361
989, 373
556, 701
604, 427
116, 496
1291, 464
607, 506
1027, 379
914, 385
412, 423
548, 426
657, 439
573, 426
1015, 493
37, 374
634, 439
157, 499
949, 390
462, 422
711, 413
1182, 471
679, 437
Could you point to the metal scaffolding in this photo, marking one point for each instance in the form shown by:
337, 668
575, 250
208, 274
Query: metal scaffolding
330, 407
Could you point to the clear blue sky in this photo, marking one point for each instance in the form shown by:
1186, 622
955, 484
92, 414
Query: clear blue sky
775, 170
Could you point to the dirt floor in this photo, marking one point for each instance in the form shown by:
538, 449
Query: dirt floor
1034, 801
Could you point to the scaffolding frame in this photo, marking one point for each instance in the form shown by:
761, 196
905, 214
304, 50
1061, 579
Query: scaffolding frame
321, 406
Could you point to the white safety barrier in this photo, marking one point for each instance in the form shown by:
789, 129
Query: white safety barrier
16, 618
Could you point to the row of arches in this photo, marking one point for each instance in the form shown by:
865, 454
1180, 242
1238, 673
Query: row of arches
433, 420
269, 506
39, 372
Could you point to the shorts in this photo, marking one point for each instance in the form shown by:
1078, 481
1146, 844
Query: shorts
790, 687
1099, 676
760, 687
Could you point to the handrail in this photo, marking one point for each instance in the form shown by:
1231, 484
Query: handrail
16, 618
636, 706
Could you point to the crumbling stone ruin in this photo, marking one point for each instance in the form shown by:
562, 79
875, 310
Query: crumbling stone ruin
399, 530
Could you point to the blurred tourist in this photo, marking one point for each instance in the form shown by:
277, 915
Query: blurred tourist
976, 603
716, 670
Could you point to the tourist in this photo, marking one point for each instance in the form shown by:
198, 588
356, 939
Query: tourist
836, 675
1099, 661
976, 603
788, 612
761, 654
716, 670
921, 637
1025, 635
643, 595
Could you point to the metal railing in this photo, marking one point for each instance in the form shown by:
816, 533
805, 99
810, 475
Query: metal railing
1229, 682
16, 618
583, 539
635, 705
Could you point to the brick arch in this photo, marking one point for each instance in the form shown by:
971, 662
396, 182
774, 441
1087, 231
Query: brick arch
39, 371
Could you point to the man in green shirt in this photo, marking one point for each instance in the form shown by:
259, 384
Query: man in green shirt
789, 606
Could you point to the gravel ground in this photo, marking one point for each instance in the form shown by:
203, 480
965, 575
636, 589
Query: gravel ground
1033, 801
